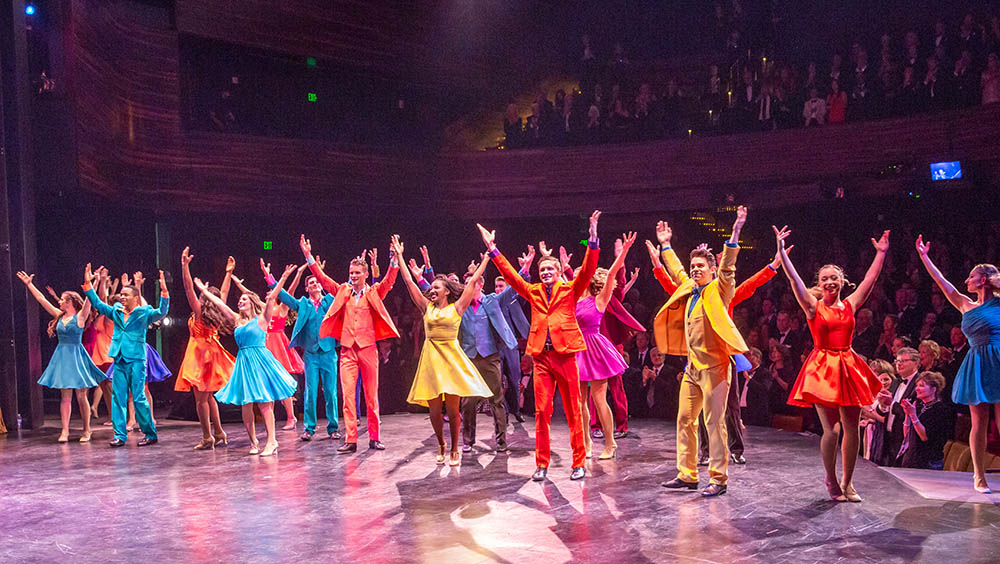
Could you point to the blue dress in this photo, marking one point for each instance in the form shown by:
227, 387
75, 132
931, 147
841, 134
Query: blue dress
257, 377
978, 378
156, 371
70, 366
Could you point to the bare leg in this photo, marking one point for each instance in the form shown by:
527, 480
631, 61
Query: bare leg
451, 404
977, 442
204, 409
829, 417
216, 418
81, 398
290, 420
247, 412
588, 443
65, 411
599, 390
850, 417
98, 392
267, 411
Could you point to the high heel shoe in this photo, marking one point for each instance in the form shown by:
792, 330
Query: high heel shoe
270, 450
981, 486
85, 438
850, 493
608, 453
440, 454
456, 459
255, 449
290, 425
224, 441
833, 488
205, 444
63, 438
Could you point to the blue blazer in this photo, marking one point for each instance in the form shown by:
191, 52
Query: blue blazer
467, 333
129, 340
306, 313
510, 306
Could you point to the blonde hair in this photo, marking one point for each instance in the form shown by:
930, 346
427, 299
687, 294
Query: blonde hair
599, 280
931, 346
817, 292
992, 275
880, 366
256, 305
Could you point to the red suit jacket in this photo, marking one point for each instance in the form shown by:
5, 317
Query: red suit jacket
333, 322
555, 316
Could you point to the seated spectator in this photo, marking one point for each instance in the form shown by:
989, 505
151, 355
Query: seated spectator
836, 104
930, 352
884, 350
755, 392
872, 421
930, 90
962, 83
645, 117
671, 108
927, 427
814, 111
908, 100
811, 80
766, 108
990, 80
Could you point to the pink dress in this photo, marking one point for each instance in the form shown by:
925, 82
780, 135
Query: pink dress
277, 342
601, 360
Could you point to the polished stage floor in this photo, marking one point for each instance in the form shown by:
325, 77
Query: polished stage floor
167, 503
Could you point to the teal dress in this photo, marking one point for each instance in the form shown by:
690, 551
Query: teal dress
70, 366
978, 378
257, 377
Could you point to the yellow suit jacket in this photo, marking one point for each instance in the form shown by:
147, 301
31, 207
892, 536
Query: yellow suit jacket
668, 327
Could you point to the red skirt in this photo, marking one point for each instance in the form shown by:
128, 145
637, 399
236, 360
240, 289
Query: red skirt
277, 343
834, 378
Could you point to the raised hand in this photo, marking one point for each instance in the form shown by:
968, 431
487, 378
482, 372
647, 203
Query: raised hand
397, 247
202, 287
627, 240
780, 235
882, 245
618, 247
524, 261
544, 249
230, 265
415, 269
289, 269
426, 256
303, 267
52, 292
488, 236
321, 263
305, 245
564, 257
373, 255
138, 278
163, 283
186, 257
634, 276
922, 248
473, 265
654, 253
663, 232
776, 263
741, 217
265, 268
26, 278
125, 280
87, 273
593, 224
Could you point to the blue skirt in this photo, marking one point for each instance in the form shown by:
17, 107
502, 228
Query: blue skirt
258, 377
70, 368
978, 377
156, 371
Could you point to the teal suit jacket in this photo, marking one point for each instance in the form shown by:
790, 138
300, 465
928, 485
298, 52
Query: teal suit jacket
129, 340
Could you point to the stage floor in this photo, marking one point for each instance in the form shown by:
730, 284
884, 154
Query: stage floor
167, 503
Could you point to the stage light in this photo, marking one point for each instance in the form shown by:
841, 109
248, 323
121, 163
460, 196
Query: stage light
167, 322
29, 9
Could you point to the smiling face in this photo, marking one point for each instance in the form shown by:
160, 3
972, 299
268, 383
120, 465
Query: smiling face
885, 379
701, 272
925, 392
357, 274
313, 287
438, 292
244, 305
548, 271
499, 285
129, 298
831, 280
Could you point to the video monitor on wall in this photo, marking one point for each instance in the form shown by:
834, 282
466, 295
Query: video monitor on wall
947, 170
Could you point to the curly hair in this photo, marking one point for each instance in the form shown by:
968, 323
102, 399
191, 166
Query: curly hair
77, 300
817, 292
880, 366
599, 280
454, 288
934, 379
256, 305
703, 251
991, 274
212, 315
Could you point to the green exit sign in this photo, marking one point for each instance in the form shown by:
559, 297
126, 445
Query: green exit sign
267, 245
311, 61
311, 96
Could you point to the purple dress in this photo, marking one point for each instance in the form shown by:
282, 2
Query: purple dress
601, 360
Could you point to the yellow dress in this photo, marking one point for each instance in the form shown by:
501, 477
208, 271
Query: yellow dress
443, 366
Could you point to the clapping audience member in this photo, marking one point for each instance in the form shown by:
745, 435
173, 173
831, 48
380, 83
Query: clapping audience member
927, 425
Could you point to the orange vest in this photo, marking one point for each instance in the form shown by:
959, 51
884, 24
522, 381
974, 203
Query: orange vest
364, 323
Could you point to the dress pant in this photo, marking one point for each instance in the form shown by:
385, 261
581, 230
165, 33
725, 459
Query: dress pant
510, 366
618, 403
734, 426
353, 359
320, 366
552, 369
130, 377
703, 390
489, 369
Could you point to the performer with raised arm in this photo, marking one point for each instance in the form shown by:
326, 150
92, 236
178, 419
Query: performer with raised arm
834, 378
444, 373
319, 354
977, 383
207, 365
358, 319
695, 323
258, 377
128, 349
553, 342
600, 361
70, 370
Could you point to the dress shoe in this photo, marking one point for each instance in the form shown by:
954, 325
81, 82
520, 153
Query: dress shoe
713, 490
306, 436
850, 494
223, 440
440, 454
347, 447
377, 445
738, 459
501, 448
833, 488
578, 473
609, 453
205, 444
115, 443
678, 484
620, 434
539, 474
466, 448
146, 441
597, 434
702, 461
336, 436
518, 417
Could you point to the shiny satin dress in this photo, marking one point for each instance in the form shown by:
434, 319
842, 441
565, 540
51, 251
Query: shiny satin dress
207, 366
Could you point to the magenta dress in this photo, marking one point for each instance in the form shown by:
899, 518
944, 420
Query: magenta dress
601, 360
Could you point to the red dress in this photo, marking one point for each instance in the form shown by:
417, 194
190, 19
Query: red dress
833, 374
277, 342
207, 366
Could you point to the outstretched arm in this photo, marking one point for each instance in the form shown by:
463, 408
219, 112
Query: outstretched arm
418, 298
102, 308
38, 295
672, 264
961, 302
226, 310
628, 239
298, 278
859, 296
272, 297
465, 299
164, 307
806, 300
328, 283
511, 276
189, 291
589, 266
227, 279
83, 314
